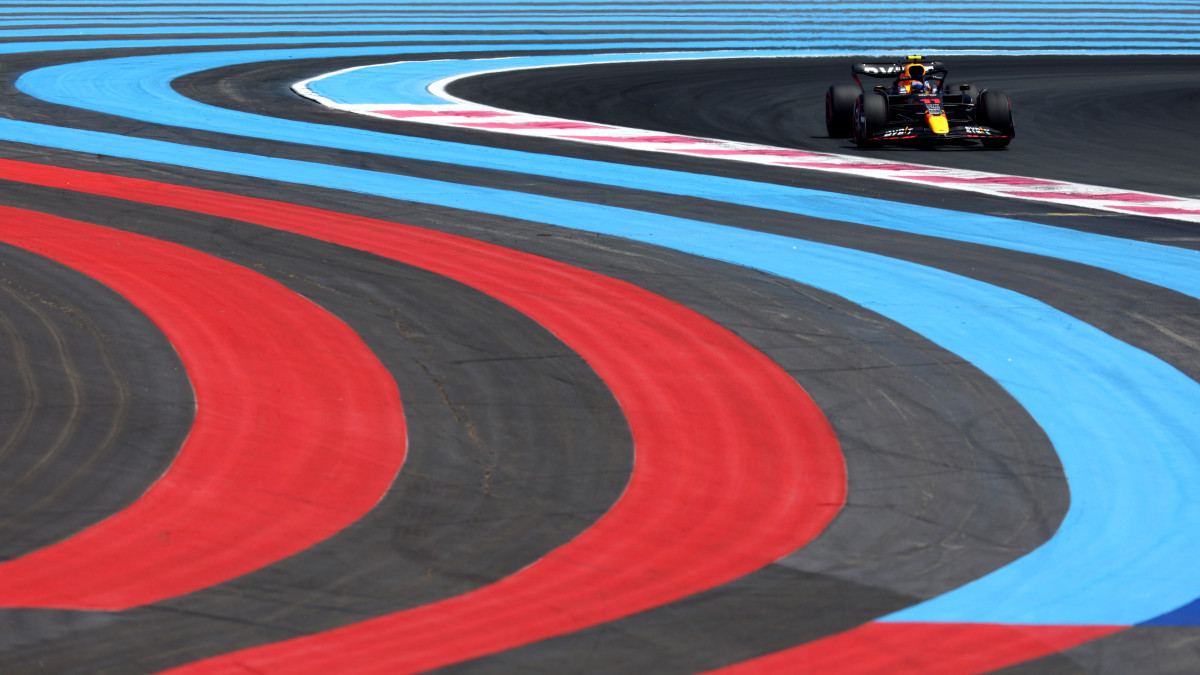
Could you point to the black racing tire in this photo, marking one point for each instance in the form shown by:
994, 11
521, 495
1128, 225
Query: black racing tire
995, 111
870, 116
839, 110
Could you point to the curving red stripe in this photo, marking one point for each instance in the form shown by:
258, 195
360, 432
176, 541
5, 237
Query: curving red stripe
298, 430
883, 648
735, 465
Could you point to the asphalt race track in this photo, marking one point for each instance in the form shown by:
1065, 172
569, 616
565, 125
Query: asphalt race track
384, 397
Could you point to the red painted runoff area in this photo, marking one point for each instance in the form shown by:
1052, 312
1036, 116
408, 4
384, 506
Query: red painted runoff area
881, 648
298, 429
1106, 196
735, 465
640, 139
1157, 210
859, 167
985, 180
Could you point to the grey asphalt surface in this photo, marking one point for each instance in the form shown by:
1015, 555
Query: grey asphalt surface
949, 478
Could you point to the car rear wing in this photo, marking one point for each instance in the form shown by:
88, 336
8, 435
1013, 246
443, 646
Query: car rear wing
891, 69
877, 69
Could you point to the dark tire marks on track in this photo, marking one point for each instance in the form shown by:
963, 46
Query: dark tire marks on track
493, 479
98, 401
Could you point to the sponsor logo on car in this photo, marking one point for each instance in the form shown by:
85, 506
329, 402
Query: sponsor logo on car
880, 69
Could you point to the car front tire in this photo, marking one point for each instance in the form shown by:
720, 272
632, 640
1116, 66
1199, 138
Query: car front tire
870, 116
839, 110
995, 111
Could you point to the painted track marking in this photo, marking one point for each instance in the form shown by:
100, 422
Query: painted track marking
257, 480
724, 438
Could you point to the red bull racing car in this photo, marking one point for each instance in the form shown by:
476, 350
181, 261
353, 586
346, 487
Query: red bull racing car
916, 107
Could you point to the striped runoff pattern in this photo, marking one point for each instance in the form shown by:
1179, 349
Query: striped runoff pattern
474, 116
361, 95
431, 408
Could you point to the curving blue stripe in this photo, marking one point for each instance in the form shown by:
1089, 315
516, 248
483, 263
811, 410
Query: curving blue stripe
688, 25
140, 88
832, 16
1122, 421
140, 6
865, 44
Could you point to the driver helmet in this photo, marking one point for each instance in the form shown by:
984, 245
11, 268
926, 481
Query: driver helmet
914, 77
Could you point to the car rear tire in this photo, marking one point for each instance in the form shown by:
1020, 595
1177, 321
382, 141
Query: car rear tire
870, 116
839, 110
995, 111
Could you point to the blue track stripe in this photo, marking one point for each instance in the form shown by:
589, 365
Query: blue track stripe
140, 88
700, 29
855, 44
815, 15
814, 47
840, 23
141, 6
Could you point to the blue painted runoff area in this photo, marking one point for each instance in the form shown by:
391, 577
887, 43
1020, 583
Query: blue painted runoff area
812, 16
986, 8
1071, 43
753, 28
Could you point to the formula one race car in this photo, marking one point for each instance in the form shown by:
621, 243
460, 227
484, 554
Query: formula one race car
916, 108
